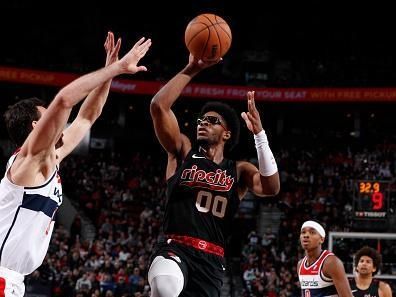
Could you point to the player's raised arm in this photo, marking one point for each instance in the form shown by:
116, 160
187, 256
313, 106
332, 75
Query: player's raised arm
92, 106
264, 180
165, 122
49, 128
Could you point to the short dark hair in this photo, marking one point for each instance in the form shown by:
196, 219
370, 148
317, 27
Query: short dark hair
230, 117
19, 117
371, 253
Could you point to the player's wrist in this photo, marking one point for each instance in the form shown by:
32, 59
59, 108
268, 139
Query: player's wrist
260, 137
191, 69
266, 160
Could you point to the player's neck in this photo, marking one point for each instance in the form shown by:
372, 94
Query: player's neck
212, 153
313, 255
363, 281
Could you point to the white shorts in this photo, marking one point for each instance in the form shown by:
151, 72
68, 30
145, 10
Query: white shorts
11, 283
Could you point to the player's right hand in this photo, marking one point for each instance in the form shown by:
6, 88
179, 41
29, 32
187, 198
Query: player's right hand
201, 63
129, 62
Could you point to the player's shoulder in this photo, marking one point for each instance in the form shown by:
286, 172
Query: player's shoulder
331, 260
330, 257
383, 285
299, 263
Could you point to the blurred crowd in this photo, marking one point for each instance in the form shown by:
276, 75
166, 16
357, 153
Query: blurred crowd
315, 185
124, 200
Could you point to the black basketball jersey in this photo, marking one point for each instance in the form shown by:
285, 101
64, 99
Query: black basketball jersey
371, 291
202, 199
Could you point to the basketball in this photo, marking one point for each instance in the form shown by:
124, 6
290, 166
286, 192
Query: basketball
208, 37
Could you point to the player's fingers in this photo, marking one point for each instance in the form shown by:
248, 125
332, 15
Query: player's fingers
117, 47
244, 116
250, 106
145, 47
252, 100
141, 68
139, 42
106, 44
249, 116
111, 38
249, 95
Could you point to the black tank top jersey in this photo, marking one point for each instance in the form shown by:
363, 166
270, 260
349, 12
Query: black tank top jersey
371, 291
202, 199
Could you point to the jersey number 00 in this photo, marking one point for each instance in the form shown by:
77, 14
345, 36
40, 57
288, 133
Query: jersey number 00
206, 202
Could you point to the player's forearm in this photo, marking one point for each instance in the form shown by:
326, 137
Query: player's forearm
266, 159
78, 89
270, 184
169, 93
93, 105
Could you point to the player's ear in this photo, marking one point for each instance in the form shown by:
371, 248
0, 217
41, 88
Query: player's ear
226, 135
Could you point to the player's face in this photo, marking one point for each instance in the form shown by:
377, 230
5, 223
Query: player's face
310, 238
365, 266
42, 110
210, 128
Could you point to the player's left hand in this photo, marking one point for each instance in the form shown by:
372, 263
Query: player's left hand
252, 116
111, 49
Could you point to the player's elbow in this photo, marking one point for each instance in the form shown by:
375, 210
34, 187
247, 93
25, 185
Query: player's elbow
274, 190
156, 107
271, 191
277, 190
63, 100
270, 185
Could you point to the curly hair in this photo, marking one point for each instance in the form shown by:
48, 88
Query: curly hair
19, 117
371, 253
230, 117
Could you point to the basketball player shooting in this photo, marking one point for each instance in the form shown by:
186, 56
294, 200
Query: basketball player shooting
31, 191
203, 189
320, 272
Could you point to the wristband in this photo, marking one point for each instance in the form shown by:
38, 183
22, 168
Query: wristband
266, 160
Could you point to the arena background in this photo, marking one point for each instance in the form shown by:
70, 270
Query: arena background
324, 143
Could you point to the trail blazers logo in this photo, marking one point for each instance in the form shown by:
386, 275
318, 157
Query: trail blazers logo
217, 181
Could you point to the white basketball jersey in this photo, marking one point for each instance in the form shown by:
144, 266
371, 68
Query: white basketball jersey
312, 280
26, 221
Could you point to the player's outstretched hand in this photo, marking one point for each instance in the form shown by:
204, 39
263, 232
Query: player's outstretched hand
252, 116
131, 59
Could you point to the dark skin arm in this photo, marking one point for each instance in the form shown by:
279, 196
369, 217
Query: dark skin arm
251, 179
299, 265
334, 269
166, 125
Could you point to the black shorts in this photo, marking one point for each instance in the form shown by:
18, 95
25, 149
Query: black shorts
203, 273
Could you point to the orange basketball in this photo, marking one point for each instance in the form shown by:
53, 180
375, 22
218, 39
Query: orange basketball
208, 37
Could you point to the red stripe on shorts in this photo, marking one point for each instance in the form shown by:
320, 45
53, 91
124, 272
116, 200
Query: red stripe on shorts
2, 287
